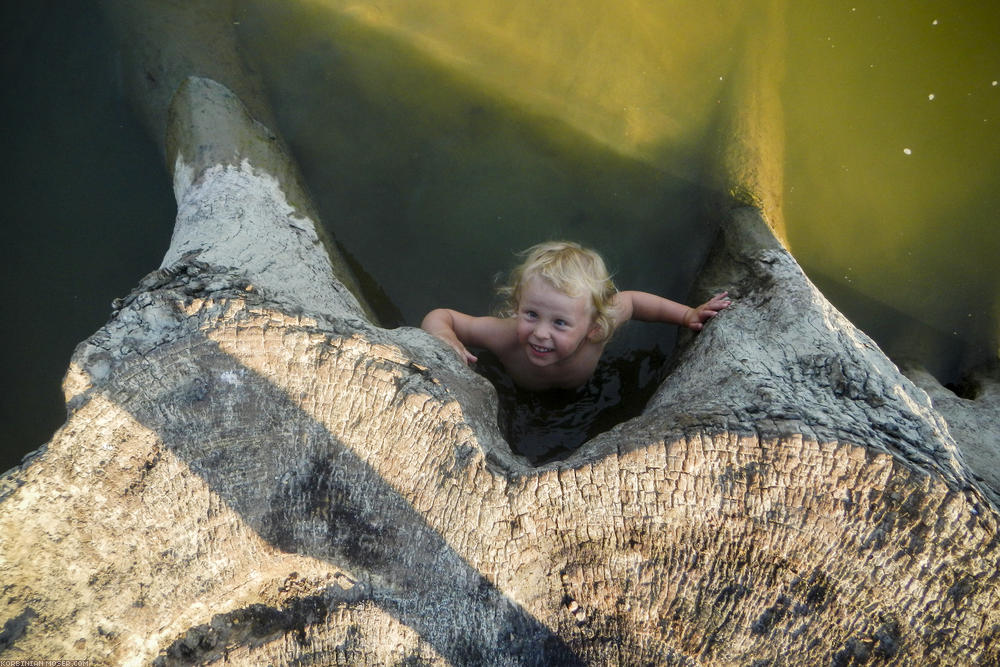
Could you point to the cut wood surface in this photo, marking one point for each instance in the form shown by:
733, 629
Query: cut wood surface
252, 472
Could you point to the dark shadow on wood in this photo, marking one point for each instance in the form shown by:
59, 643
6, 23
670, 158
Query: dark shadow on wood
305, 492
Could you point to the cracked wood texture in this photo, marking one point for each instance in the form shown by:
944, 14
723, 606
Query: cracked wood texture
253, 485
243, 480
254, 473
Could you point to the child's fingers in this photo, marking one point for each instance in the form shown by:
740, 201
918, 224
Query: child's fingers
462, 353
466, 356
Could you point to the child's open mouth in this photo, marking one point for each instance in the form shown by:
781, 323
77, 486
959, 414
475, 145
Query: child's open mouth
539, 349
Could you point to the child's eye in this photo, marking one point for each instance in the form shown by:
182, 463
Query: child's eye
561, 323
530, 314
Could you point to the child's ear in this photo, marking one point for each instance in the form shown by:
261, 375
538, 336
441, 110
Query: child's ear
595, 332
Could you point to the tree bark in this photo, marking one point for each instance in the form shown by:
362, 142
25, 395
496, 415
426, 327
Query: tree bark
253, 472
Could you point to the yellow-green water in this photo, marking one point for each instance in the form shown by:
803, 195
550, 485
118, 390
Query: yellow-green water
893, 170
440, 137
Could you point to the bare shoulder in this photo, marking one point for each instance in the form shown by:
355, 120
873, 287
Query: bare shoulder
623, 306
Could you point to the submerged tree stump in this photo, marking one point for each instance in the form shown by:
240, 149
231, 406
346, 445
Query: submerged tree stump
252, 472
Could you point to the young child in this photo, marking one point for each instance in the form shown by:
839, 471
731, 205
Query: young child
562, 309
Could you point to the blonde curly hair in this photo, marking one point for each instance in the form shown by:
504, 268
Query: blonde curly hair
571, 269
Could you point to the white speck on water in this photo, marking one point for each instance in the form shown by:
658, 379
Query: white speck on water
931, 96
934, 22
994, 83
907, 151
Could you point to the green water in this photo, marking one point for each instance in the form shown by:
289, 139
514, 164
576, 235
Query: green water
893, 171
88, 207
440, 137
433, 182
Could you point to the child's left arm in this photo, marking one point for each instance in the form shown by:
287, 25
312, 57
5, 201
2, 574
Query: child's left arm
647, 307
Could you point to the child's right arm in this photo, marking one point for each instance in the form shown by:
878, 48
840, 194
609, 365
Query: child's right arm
458, 330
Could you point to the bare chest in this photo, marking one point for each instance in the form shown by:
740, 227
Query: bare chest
569, 373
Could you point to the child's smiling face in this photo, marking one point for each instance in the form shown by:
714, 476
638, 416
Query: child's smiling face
551, 325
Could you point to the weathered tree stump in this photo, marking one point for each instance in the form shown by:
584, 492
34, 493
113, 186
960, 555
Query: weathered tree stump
253, 472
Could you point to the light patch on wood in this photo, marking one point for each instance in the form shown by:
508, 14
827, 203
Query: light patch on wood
242, 209
116, 478
75, 382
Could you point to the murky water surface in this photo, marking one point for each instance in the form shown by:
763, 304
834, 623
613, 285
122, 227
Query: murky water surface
88, 207
893, 171
439, 138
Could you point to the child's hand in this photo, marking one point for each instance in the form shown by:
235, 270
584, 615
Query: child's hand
463, 354
695, 318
